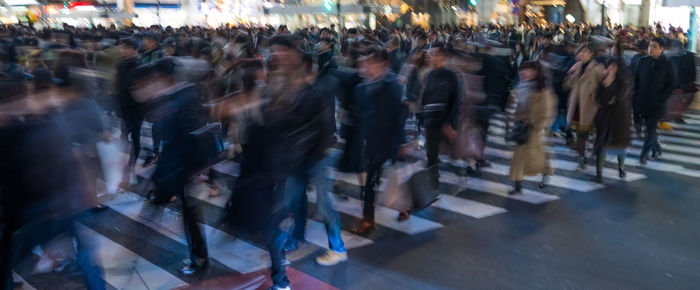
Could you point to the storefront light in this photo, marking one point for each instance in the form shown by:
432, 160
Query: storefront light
21, 2
570, 18
85, 8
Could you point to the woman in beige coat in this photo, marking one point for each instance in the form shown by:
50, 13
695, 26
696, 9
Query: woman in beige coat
583, 79
536, 105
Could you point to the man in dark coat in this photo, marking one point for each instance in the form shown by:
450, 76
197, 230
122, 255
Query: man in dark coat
654, 79
441, 101
380, 109
130, 110
178, 107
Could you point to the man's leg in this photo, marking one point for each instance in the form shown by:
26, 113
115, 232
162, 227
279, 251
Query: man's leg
650, 139
374, 173
134, 127
433, 138
275, 239
324, 200
195, 237
296, 201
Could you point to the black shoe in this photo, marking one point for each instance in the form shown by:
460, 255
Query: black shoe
655, 155
292, 245
597, 179
581, 164
194, 267
483, 164
622, 172
517, 189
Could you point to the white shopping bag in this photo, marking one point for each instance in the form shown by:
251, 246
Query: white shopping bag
113, 160
396, 194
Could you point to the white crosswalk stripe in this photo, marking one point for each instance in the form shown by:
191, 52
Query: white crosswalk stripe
124, 269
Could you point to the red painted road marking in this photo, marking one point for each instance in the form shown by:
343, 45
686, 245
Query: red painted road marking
260, 280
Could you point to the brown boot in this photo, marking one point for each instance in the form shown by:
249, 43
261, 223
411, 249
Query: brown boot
364, 227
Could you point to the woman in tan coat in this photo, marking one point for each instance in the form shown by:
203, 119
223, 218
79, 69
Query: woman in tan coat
536, 105
583, 79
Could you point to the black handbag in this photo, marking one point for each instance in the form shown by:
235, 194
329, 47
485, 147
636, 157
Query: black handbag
422, 188
206, 146
520, 132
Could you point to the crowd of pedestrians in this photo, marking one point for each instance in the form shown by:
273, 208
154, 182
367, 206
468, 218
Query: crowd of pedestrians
293, 107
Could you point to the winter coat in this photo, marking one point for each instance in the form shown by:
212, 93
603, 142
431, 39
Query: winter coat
498, 76
129, 108
440, 98
352, 159
180, 114
654, 79
613, 120
530, 158
381, 117
582, 103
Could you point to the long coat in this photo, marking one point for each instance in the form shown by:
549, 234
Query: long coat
613, 120
530, 158
381, 118
654, 79
582, 102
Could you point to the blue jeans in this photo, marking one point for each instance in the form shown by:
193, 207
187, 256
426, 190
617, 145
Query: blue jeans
315, 173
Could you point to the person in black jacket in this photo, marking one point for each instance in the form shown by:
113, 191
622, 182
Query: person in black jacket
179, 108
130, 110
654, 79
379, 96
440, 99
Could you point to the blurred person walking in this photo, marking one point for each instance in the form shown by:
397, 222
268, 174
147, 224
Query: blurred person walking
613, 120
582, 79
654, 81
130, 110
536, 105
178, 106
440, 100
379, 96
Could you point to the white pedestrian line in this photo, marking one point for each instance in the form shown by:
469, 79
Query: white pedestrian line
528, 196
671, 147
456, 204
384, 216
555, 180
570, 166
667, 155
499, 124
124, 269
317, 235
232, 252
315, 231
467, 207
691, 115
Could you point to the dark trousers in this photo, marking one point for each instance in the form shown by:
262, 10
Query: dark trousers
157, 135
196, 242
18, 243
651, 142
580, 145
132, 126
374, 174
433, 136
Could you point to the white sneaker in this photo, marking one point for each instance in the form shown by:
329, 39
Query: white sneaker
331, 258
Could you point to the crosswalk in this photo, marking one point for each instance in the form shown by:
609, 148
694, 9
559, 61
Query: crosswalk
126, 266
